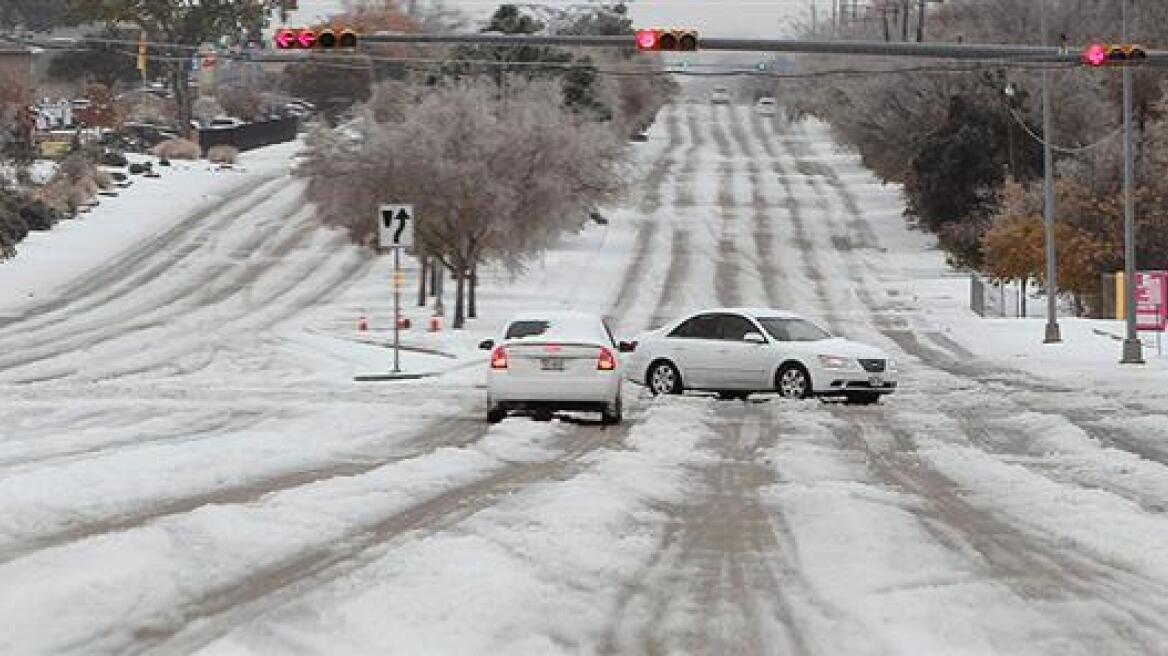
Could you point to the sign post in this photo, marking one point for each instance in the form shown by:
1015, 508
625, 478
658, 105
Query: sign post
395, 229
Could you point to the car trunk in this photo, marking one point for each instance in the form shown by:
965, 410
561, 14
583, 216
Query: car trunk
552, 359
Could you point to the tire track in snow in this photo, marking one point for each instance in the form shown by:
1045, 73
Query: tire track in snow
195, 294
726, 285
125, 276
725, 577
449, 432
214, 614
650, 220
1036, 569
679, 251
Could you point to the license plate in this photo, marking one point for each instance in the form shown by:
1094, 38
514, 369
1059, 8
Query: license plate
876, 381
551, 364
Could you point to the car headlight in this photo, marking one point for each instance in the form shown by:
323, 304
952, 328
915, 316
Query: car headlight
838, 363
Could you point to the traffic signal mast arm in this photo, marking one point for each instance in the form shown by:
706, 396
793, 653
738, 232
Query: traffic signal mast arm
973, 51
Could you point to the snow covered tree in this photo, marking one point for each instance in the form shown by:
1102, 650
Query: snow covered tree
491, 179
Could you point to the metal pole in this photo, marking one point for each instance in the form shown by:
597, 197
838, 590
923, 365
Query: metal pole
396, 308
1132, 348
1053, 334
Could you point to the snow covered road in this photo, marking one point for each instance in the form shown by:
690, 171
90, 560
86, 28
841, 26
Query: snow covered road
187, 466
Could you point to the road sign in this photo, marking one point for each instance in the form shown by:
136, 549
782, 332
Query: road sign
1152, 300
396, 226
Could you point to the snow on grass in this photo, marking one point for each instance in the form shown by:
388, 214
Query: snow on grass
538, 573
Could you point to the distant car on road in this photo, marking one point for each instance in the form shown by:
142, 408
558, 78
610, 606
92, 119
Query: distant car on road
720, 96
738, 351
224, 123
555, 360
765, 106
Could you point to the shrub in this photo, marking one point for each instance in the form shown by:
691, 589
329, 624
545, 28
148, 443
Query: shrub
37, 215
177, 149
223, 154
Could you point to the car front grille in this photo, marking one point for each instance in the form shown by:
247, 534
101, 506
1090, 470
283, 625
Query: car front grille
872, 365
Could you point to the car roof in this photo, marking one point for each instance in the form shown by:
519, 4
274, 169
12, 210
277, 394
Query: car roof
758, 312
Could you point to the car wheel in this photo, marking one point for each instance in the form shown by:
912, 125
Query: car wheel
496, 413
611, 414
542, 415
863, 398
663, 378
793, 382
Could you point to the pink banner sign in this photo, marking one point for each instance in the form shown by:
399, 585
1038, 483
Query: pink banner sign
1152, 300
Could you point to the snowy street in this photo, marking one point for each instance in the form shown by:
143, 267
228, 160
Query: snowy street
187, 465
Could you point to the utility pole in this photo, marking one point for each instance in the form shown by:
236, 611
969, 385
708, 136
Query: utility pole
1053, 334
1132, 348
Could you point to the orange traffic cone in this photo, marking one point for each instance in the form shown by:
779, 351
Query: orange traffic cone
435, 324
362, 324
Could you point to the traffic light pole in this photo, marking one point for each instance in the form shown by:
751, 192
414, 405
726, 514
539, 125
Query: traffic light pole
968, 51
1053, 334
1132, 348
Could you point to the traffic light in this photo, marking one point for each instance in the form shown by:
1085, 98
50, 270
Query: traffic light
1098, 54
667, 40
292, 38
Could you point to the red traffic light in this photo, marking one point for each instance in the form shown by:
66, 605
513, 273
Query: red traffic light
1098, 54
1095, 55
646, 39
304, 39
667, 40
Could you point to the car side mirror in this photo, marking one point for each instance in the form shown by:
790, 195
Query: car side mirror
627, 347
487, 344
754, 338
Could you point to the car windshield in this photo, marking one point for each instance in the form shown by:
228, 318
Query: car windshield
793, 330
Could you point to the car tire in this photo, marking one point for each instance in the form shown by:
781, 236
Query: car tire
496, 413
730, 395
663, 378
863, 398
793, 382
611, 415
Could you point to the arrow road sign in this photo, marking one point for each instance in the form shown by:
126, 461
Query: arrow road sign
396, 226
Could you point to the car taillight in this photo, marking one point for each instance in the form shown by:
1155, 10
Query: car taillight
499, 358
606, 362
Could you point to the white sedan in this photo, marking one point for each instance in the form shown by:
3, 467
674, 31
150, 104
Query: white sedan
736, 351
766, 106
556, 360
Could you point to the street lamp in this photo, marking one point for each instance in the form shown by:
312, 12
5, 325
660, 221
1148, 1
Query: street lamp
1132, 348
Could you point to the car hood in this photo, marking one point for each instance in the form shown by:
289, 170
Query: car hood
845, 348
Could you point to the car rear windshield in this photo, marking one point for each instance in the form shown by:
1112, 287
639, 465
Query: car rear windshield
793, 330
519, 329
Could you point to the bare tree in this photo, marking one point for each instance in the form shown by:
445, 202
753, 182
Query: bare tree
492, 179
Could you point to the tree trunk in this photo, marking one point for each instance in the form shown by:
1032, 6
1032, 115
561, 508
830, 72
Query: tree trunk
459, 298
884, 20
471, 308
422, 270
179, 78
904, 20
435, 277
921, 21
